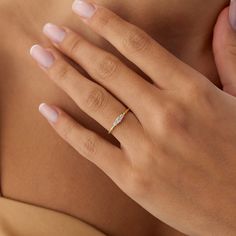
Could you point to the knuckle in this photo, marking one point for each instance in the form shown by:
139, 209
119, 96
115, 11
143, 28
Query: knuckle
61, 71
198, 92
73, 45
193, 89
103, 19
136, 40
107, 66
96, 99
173, 118
66, 128
168, 114
89, 145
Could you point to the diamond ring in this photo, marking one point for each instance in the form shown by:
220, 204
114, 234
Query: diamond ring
119, 119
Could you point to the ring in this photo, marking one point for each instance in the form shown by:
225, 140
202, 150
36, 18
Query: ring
118, 120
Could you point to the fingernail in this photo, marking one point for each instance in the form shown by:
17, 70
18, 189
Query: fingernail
232, 14
42, 56
53, 32
83, 8
48, 112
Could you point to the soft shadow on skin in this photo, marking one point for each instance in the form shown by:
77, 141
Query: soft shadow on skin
6, 70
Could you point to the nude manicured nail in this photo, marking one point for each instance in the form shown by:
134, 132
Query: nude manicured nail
232, 14
42, 56
48, 112
83, 8
53, 32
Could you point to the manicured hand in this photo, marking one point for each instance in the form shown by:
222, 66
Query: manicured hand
177, 154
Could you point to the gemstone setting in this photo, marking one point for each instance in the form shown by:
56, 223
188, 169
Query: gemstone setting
118, 120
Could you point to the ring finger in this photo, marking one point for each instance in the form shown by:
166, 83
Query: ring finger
89, 96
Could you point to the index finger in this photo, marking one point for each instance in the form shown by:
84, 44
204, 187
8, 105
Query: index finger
136, 45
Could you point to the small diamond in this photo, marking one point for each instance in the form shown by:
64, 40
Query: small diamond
118, 119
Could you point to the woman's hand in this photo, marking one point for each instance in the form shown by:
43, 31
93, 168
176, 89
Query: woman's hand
177, 154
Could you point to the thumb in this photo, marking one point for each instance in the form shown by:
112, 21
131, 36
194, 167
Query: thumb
224, 47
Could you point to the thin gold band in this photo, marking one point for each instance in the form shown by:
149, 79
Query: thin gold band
118, 120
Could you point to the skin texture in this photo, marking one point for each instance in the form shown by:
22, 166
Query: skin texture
46, 171
185, 164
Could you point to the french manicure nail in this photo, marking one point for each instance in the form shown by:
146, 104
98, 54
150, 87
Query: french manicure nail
48, 112
53, 32
232, 14
42, 56
83, 8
